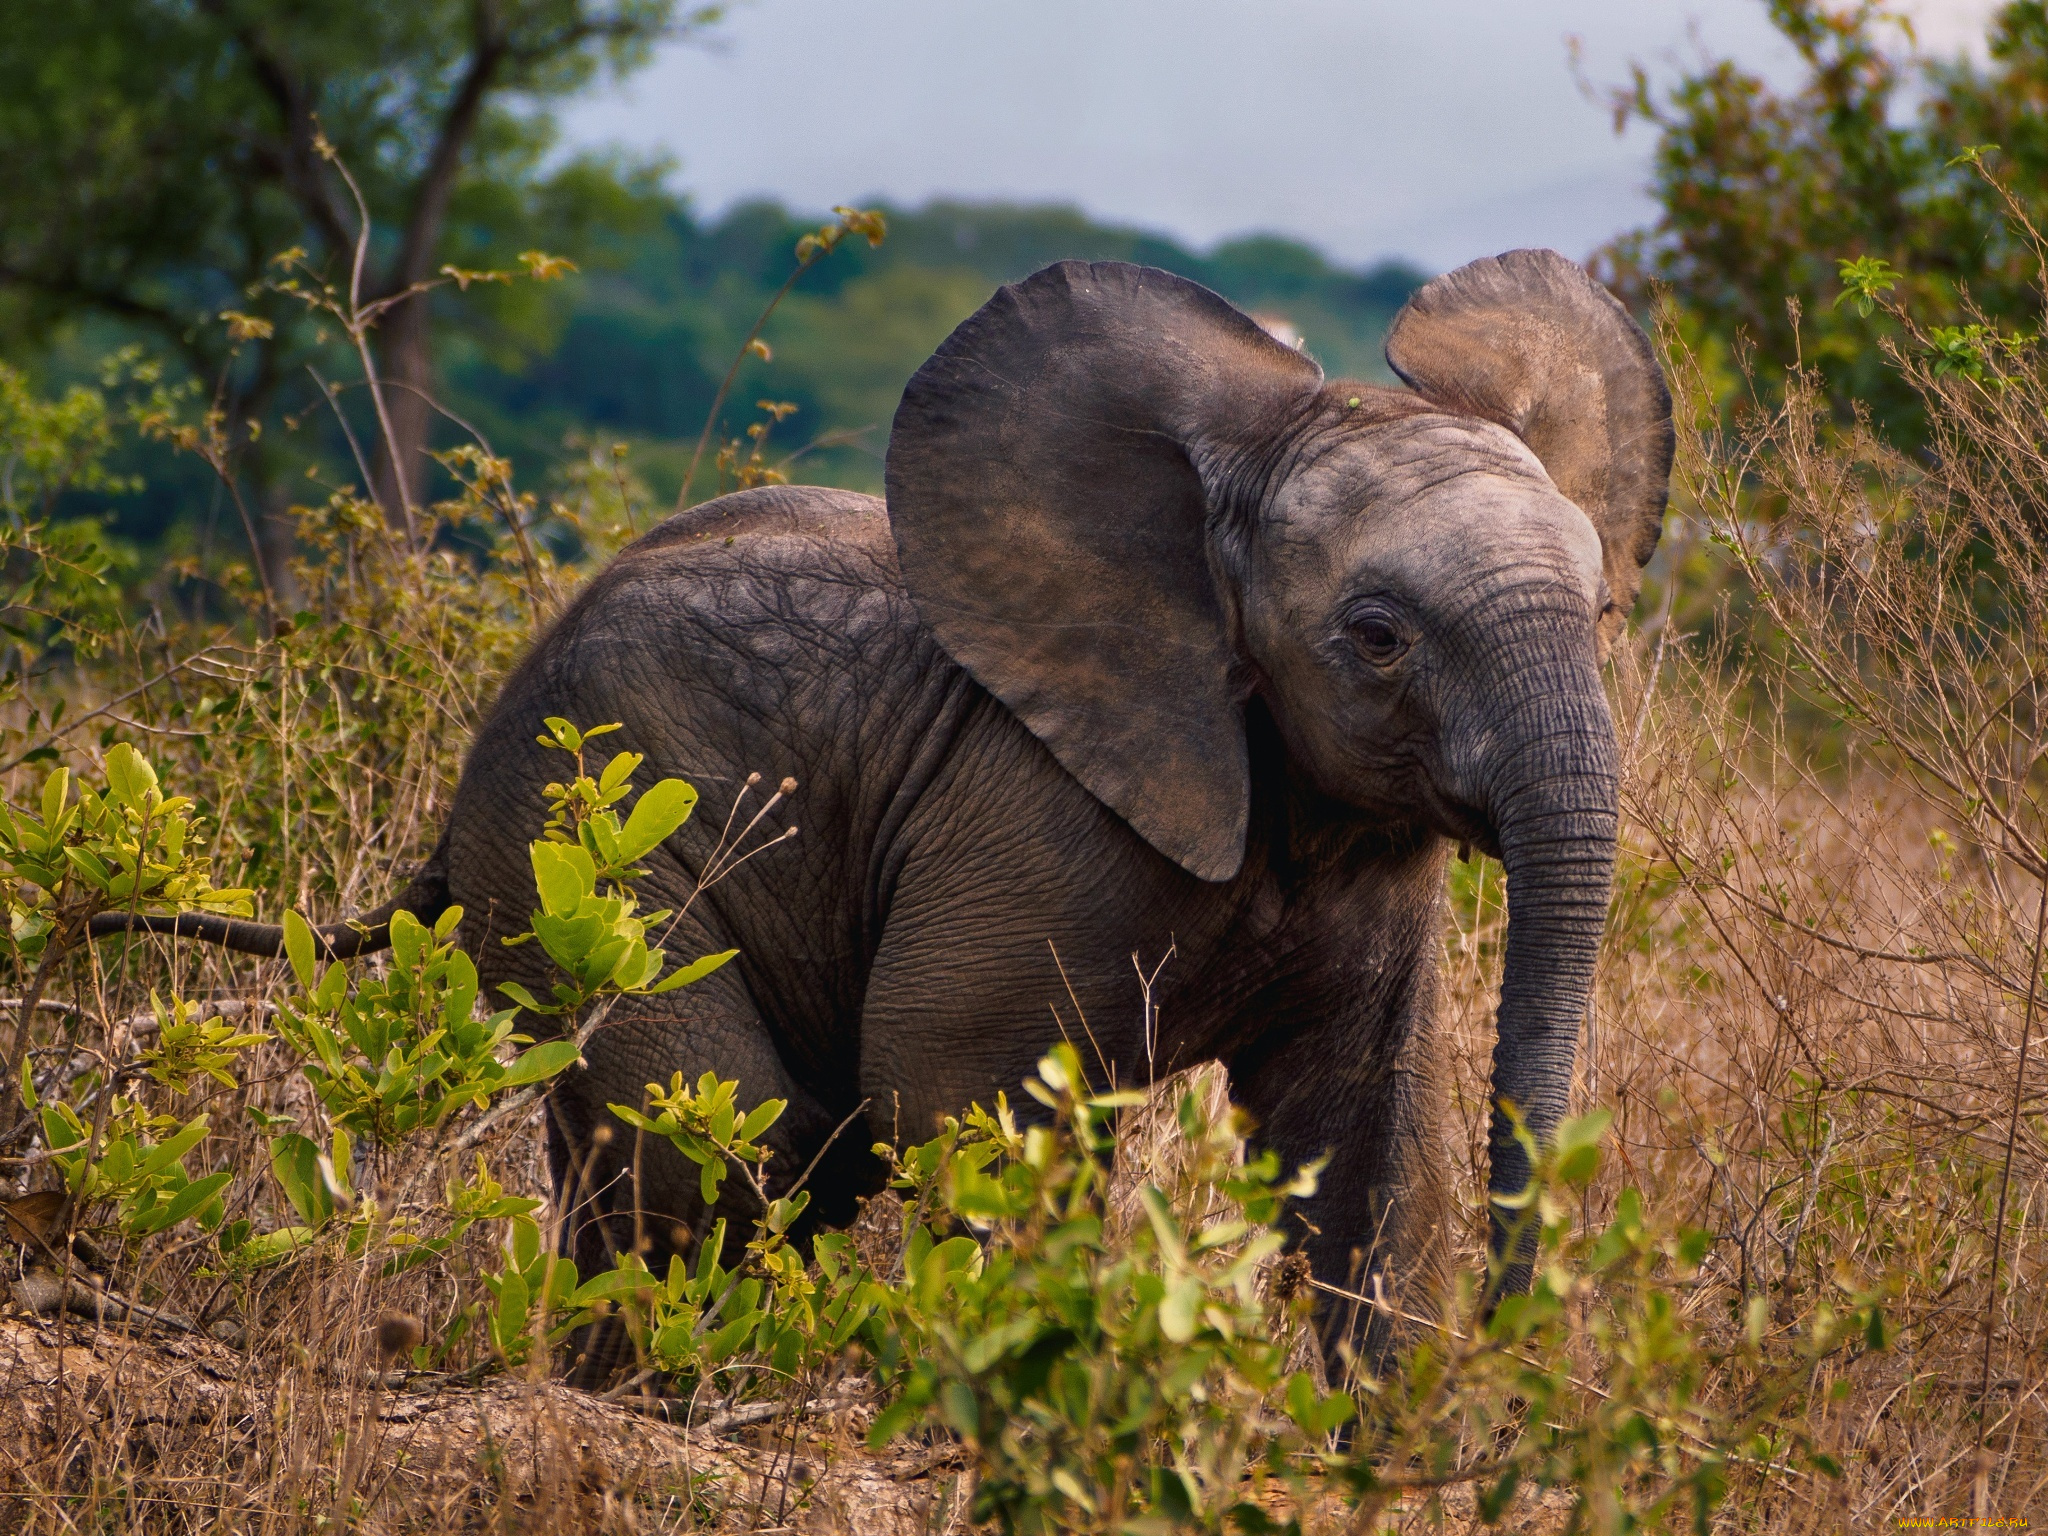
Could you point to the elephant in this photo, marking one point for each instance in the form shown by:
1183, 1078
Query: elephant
1160, 644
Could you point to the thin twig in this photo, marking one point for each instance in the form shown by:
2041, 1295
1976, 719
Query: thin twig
725, 384
2012, 1132
111, 705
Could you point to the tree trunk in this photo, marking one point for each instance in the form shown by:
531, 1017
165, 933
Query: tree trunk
277, 539
406, 363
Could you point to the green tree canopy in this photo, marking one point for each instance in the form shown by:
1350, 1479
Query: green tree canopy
632, 349
1869, 156
156, 154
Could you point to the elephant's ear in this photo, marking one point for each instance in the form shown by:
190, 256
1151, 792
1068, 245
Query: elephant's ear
1046, 486
1531, 341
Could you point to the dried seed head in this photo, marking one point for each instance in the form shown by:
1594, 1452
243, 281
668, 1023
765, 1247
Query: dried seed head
1290, 1276
787, 786
397, 1334
753, 779
601, 1136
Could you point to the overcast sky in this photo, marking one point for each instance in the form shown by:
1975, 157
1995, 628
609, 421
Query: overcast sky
1437, 130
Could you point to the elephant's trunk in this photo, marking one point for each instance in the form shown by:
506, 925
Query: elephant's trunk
1554, 811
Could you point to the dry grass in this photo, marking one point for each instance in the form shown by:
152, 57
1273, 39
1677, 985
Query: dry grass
1815, 990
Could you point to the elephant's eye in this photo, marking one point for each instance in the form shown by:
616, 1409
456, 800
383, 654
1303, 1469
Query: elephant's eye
1376, 637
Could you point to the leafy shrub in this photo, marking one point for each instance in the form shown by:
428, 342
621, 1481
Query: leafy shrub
403, 1051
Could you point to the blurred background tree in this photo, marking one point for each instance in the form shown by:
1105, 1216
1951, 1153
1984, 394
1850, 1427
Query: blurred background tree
1763, 192
155, 156
637, 343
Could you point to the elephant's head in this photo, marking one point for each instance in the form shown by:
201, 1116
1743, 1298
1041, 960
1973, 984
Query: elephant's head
1127, 510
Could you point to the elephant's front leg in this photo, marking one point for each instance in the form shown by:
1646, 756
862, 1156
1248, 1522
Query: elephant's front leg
1364, 1090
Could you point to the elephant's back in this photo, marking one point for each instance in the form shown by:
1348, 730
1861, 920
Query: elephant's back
806, 556
767, 632
777, 599
805, 522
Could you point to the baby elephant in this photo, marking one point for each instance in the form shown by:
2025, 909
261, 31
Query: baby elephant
1160, 642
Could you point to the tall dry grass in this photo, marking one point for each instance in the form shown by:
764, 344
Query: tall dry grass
1815, 999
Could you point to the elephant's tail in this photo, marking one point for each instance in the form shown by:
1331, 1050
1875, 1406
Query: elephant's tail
425, 896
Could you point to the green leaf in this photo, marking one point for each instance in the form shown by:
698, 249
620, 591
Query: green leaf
508, 1319
656, 815
891, 1422
166, 1153
616, 772
1578, 1165
1181, 1309
188, 1200
1164, 1227
959, 1411
56, 789
1584, 1130
563, 874
1494, 1499
634, 1118
696, 970
298, 948
129, 777
1301, 1401
410, 941
1335, 1411
542, 1062
524, 998
295, 1161
764, 1114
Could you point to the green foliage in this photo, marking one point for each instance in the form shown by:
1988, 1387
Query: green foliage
705, 1125
774, 1312
393, 1057
155, 158
476, 1199
1110, 1380
60, 575
189, 1047
51, 446
529, 1294
588, 921
1866, 279
1880, 169
124, 848
638, 348
1098, 1379
1107, 1371
145, 1180
316, 1180
775, 1309
1107, 1366
402, 1052
121, 1162
1599, 1381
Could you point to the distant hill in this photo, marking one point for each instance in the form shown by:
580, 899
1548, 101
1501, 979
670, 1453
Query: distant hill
636, 344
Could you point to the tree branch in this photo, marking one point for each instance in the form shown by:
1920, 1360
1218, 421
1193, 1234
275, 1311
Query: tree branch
296, 163
113, 300
415, 259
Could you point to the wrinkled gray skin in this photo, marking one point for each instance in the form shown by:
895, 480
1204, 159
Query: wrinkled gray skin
1377, 629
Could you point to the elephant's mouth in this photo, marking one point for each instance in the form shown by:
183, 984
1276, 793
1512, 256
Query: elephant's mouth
1466, 825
